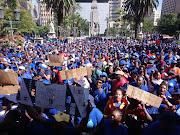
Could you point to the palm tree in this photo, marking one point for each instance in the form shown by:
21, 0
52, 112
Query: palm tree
139, 9
61, 7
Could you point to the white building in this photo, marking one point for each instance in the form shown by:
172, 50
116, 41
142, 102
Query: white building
40, 14
155, 16
103, 13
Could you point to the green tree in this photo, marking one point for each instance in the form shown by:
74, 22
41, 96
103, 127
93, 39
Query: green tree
138, 9
147, 26
167, 24
75, 20
25, 25
61, 7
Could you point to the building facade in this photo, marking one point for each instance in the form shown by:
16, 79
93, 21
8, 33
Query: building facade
40, 14
170, 6
155, 16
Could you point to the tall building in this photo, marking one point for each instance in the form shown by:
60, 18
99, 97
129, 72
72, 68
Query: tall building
113, 6
155, 16
170, 6
40, 14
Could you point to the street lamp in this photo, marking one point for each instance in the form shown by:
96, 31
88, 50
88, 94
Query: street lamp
16, 14
1, 13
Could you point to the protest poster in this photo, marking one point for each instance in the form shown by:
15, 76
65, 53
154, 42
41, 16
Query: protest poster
51, 96
9, 89
80, 96
75, 73
8, 82
8, 78
89, 71
27, 92
69, 74
63, 74
55, 60
144, 96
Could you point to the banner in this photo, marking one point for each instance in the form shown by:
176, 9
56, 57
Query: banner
55, 60
8, 82
144, 96
74, 73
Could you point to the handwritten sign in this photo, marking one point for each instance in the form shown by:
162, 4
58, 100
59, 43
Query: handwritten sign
55, 60
51, 96
80, 98
75, 73
144, 96
25, 93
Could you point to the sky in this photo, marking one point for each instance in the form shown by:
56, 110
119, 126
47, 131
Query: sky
34, 1
159, 8
160, 5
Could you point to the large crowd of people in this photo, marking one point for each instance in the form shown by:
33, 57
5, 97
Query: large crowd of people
115, 64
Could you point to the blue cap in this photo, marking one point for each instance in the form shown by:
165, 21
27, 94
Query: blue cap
122, 63
12, 59
96, 56
103, 74
43, 67
152, 58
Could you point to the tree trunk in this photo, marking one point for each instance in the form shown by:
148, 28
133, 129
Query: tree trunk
60, 14
137, 29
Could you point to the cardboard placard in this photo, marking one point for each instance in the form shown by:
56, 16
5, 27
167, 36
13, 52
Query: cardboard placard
75, 73
51, 96
55, 60
89, 71
63, 74
8, 78
69, 74
144, 96
9, 89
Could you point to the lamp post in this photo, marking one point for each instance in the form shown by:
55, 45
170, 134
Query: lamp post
16, 16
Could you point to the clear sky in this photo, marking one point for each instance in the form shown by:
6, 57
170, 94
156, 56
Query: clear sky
34, 1
159, 8
160, 5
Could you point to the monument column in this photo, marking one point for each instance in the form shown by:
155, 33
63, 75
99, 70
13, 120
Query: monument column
94, 23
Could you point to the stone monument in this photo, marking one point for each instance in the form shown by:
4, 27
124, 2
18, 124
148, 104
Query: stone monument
51, 34
94, 23
140, 33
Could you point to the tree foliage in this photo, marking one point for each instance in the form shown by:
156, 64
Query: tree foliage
75, 20
61, 7
25, 25
168, 24
138, 9
147, 26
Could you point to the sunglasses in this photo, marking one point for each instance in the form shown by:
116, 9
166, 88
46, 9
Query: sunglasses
99, 82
